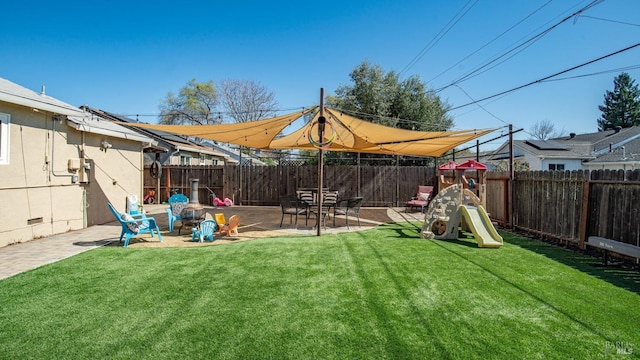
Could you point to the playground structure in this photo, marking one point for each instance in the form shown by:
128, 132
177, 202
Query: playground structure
460, 203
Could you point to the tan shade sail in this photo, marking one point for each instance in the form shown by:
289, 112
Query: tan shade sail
254, 134
355, 135
349, 134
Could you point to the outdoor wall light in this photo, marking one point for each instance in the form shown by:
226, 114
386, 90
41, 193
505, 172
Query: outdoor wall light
104, 145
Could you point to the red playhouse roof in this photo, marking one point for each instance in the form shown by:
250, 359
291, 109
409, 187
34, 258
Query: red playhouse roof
471, 165
451, 165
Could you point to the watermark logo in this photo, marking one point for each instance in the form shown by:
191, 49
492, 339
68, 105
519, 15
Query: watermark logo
618, 348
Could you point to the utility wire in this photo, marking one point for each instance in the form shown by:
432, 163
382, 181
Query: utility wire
480, 106
456, 18
622, 69
609, 20
547, 77
490, 42
521, 47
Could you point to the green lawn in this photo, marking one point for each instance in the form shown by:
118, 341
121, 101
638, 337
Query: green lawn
380, 293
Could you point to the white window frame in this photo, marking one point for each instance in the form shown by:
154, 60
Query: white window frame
185, 159
556, 165
5, 120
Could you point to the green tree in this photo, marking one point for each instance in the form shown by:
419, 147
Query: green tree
622, 105
384, 99
195, 104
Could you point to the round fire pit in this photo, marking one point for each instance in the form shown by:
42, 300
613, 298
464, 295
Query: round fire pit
191, 216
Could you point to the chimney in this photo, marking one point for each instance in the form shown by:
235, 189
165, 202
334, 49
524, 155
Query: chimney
42, 92
617, 129
572, 135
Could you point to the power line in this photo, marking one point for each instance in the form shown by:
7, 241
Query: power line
622, 69
490, 42
547, 77
481, 107
521, 47
225, 112
456, 18
609, 20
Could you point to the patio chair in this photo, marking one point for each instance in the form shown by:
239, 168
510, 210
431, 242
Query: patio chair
348, 207
232, 226
177, 202
292, 206
205, 231
220, 221
422, 198
329, 200
133, 225
307, 196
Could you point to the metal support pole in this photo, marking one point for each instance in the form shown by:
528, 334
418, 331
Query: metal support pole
511, 176
321, 121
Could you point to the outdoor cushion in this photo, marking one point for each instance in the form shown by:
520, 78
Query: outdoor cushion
176, 208
423, 196
132, 226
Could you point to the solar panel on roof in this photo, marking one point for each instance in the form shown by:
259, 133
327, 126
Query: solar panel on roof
546, 145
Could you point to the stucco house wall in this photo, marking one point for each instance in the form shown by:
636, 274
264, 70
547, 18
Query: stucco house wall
45, 188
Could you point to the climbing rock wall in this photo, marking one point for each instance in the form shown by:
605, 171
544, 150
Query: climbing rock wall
442, 217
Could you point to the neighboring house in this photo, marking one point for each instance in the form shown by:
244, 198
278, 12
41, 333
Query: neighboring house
618, 149
181, 150
483, 158
610, 149
59, 166
625, 157
233, 153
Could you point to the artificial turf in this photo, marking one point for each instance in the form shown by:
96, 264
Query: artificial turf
374, 294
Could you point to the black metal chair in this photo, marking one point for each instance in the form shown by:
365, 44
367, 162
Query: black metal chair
348, 207
292, 206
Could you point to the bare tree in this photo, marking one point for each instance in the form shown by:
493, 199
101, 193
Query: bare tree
247, 100
545, 130
194, 104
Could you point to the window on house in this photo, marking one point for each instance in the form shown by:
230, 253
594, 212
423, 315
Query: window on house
556, 166
185, 160
4, 138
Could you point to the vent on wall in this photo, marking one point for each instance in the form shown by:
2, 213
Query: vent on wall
37, 220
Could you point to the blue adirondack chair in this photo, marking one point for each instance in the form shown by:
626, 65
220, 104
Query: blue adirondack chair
176, 203
205, 231
133, 225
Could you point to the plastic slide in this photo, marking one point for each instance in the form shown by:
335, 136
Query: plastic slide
481, 226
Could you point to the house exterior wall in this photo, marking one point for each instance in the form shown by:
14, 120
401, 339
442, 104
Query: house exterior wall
535, 163
40, 196
115, 173
569, 164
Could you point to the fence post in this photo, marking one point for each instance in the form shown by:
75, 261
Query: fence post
585, 213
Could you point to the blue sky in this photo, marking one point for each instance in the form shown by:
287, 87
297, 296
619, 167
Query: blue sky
124, 56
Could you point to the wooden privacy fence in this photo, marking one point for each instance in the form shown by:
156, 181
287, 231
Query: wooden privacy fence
264, 185
563, 205
573, 205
